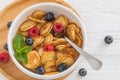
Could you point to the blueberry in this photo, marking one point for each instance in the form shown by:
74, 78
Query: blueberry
6, 46
49, 16
62, 67
108, 39
29, 41
9, 24
52, 32
40, 70
82, 72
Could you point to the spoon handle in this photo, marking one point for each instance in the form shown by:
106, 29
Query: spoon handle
95, 63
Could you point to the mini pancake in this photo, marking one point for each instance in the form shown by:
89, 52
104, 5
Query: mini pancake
37, 41
50, 66
48, 39
45, 30
78, 40
48, 56
70, 32
59, 41
67, 59
71, 51
36, 20
63, 20
60, 47
27, 25
33, 60
37, 14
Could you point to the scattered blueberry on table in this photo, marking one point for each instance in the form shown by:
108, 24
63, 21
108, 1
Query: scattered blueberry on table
62, 67
40, 70
82, 72
108, 39
9, 24
6, 46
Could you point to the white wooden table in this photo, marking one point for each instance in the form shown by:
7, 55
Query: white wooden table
101, 17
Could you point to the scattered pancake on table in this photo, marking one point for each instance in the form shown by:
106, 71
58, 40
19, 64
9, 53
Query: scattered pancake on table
44, 50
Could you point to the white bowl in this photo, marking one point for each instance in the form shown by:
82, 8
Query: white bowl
57, 9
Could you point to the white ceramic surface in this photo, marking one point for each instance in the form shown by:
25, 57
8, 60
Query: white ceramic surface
57, 10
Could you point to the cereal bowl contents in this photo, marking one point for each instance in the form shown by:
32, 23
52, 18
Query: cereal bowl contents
44, 45
39, 46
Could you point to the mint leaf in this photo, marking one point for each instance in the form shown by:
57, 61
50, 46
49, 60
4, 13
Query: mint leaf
22, 57
21, 54
20, 49
25, 49
18, 42
25, 58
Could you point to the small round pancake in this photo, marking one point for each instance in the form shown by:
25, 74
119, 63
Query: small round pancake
33, 60
67, 59
48, 56
50, 66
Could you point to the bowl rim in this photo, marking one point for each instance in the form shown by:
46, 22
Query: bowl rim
34, 75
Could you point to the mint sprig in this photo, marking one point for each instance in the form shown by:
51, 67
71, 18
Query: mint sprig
20, 49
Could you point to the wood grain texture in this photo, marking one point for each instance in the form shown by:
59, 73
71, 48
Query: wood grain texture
8, 14
101, 17
4, 73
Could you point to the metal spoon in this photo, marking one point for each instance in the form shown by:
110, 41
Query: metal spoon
93, 62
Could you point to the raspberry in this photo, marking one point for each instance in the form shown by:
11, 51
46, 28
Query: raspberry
58, 27
33, 31
48, 47
4, 57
